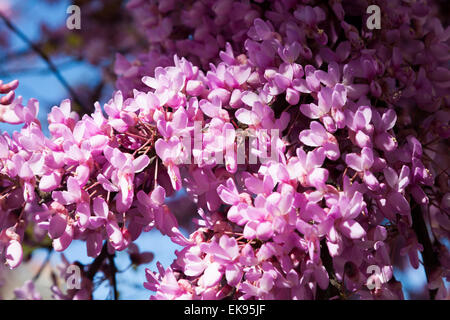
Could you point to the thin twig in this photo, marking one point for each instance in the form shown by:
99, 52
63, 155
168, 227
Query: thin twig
47, 259
34, 70
156, 174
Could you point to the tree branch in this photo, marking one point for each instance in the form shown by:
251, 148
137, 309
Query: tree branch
47, 60
430, 259
113, 270
95, 266
332, 290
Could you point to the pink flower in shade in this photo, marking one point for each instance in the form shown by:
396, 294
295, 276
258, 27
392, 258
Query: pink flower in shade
310, 15
160, 216
203, 186
281, 80
138, 257
395, 201
74, 194
339, 55
317, 136
168, 83
322, 109
362, 164
176, 126
160, 31
383, 124
317, 272
18, 166
261, 30
331, 79
154, 204
13, 254
226, 252
343, 215
213, 109
437, 283
360, 124
59, 225
103, 217
309, 84
16, 113
412, 249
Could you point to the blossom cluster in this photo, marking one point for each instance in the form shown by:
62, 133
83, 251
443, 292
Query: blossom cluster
363, 116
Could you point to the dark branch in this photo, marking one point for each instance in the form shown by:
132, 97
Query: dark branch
96, 265
113, 271
430, 259
332, 290
47, 60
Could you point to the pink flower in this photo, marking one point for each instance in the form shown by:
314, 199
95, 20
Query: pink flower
13, 254
167, 287
169, 151
103, 217
317, 136
307, 167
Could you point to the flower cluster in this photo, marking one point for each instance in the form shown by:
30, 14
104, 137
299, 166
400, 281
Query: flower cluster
362, 117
